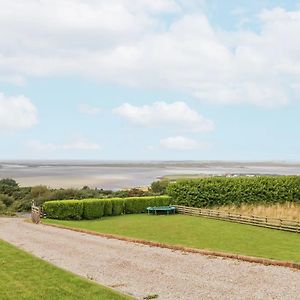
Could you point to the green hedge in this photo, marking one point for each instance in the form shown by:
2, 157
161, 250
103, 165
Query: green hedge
64, 210
97, 208
118, 206
218, 191
93, 209
137, 205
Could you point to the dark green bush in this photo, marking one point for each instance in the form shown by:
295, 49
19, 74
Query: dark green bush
218, 191
107, 207
64, 209
137, 205
93, 209
117, 206
97, 208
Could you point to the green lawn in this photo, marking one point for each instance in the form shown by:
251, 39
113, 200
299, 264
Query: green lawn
23, 276
198, 232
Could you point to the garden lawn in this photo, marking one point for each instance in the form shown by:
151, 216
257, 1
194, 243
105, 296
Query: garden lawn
23, 276
197, 232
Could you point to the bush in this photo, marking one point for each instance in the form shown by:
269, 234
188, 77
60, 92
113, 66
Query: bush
159, 187
117, 206
136, 205
218, 191
107, 207
93, 209
97, 208
2, 207
7, 200
64, 209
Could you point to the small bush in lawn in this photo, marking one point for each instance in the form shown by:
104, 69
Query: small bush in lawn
117, 206
93, 209
64, 210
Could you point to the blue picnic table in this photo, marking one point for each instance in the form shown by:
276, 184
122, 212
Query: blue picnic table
166, 209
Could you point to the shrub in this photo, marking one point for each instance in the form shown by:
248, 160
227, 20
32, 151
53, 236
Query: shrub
93, 209
107, 207
117, 206
137, 205
7, 200
2, 207
159, 187
97, 208
218, 191
64, 209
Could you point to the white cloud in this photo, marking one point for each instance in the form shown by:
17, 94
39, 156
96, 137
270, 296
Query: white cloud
16, 113
88, 109
129, 42
74, 145
177, 114
182, 143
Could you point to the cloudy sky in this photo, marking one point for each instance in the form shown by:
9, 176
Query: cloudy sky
150, 80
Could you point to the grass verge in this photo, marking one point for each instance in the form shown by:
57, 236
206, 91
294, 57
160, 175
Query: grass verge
198, 232
23, 276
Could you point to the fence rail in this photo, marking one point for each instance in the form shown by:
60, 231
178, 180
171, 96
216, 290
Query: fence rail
280, 224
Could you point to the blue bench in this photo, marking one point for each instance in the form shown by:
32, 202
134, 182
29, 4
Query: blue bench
166, 209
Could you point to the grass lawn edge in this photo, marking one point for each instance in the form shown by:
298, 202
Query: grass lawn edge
250, 259
66, 272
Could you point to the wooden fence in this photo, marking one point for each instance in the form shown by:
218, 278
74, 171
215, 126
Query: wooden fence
280, 224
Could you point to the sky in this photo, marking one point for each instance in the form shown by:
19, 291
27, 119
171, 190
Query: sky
150, 80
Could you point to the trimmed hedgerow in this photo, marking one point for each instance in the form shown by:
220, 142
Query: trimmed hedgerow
117, 206
107, 207
218, 191
97, 208
64, 209
93, 209
136, 205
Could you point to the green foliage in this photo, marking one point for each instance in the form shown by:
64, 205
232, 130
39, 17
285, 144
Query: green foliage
136, 205
218, 191
93, 209
107, 207
8, 186
118, 207
159, 187
64, 210
2, 207
97, 208
7, 200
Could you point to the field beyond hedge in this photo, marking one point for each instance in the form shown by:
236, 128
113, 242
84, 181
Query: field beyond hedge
197, 232
23, 276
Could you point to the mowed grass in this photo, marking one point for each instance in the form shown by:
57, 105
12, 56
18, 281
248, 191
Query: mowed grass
198, 232
23, 276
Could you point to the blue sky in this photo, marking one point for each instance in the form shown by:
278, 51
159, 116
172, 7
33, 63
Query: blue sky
153, 80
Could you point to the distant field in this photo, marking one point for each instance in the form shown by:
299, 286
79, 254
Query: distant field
198, 232
22, 276
288, 210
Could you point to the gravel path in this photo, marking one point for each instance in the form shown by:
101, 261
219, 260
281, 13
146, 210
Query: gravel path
141, 270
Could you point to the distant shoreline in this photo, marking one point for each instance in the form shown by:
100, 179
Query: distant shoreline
119, 175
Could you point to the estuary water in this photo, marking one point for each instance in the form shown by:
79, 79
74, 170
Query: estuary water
121, 174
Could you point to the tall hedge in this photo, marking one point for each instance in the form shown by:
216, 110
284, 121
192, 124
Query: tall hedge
97, 208
64, 209
218, 191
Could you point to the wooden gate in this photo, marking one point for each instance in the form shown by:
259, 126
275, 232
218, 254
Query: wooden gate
35, 214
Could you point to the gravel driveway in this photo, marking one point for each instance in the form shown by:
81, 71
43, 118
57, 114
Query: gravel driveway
140, 270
